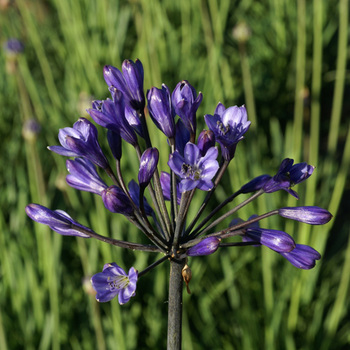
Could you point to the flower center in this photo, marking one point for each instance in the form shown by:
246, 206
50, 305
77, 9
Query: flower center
119, 283
191, 171
223, 130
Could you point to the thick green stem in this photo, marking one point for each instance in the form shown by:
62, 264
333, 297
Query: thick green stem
175, 305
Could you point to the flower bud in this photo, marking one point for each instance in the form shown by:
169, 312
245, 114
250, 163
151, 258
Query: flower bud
206, 139
148, 165
255, 184
160, 109
116, 201
309, 215
205, 247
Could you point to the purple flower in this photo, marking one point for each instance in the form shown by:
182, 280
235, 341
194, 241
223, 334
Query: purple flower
133, 119
228, 125
148, 165
13, 46
186, 103
165, 183
134, 191
160, 109
182, 136
111, 115
278, 241
130, 82
288, 175
193, 169
309, 215
83, 176
116, 201
302, 256
256, 184
113, 281
206, 140
58, 220
81, 141
207, 246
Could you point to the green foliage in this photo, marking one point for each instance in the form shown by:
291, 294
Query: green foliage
291, 73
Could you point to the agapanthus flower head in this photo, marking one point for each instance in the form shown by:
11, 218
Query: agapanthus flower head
186, 103
193, 169
83, 176
58, 220
302, 256
113, 281
206, 246
160, 110
308, 214
228, 125
130, 82
148, 165
116, 201
288, 175
81, 141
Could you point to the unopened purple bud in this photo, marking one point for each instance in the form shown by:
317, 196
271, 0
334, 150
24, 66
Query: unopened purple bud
83, 176
186, 103
206, 140
310, 215
278, 241
255, 184
148, 165
116, 201
134, 190
205, 247
182, 136
302, 256
160, 109
115, 144
58, 220
165, 183
130, 82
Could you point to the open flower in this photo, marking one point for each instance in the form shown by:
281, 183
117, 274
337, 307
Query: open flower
228, 125
288, 175
193, 169
113, 281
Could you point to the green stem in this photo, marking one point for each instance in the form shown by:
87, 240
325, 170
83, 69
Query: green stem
175, 305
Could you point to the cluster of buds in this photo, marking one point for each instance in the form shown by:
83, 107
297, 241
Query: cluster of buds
195, 163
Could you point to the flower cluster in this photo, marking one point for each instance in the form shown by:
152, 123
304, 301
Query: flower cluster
194, 163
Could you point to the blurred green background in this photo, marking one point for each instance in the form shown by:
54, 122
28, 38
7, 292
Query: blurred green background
286, 60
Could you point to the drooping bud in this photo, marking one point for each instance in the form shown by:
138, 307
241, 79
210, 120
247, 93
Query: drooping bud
309, 215
278, 241
115, 144
302, 256
205, 247
148, 165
